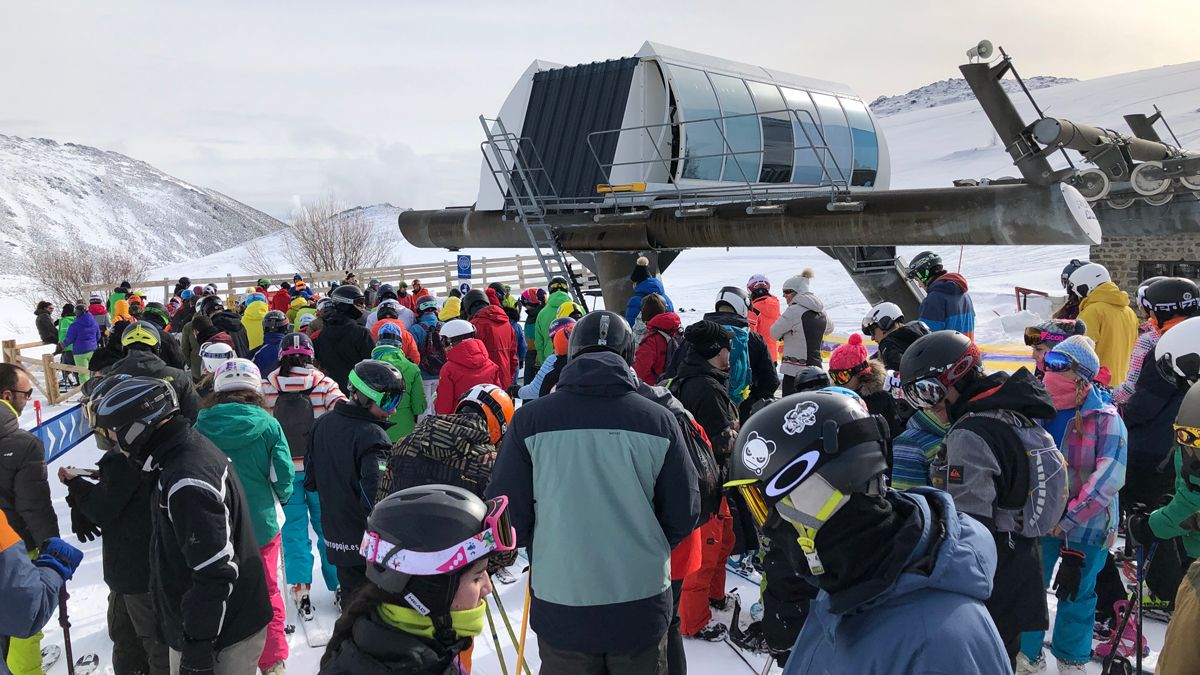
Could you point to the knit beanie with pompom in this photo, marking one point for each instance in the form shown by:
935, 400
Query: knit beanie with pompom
849, 355
641, 271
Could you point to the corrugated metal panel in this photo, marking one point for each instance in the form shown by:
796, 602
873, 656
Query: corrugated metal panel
567, 104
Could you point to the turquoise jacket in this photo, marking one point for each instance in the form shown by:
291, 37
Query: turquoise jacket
413, 403
256, 444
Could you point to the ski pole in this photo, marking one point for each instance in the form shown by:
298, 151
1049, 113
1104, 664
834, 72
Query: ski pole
511, 633
1106, 666
1141, 575
495, 637
524, 626
767, 666
65, 622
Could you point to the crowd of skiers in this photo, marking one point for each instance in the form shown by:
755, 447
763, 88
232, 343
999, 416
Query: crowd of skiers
906, 509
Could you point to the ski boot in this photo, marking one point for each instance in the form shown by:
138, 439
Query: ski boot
1028, 667
1125, 644
277, 669
304, 608
723, 604
715, 631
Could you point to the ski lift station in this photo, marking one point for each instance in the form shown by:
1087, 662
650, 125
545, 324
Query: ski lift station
669, 149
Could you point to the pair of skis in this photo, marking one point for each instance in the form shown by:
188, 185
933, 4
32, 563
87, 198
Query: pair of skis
739, 640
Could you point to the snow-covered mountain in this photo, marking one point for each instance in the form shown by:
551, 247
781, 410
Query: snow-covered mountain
64, 192
951, 91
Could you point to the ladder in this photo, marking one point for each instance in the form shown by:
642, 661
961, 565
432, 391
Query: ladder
518, 171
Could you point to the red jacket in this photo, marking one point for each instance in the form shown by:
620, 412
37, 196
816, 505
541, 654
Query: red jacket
492, 327
467, 364
408, 301
766, 309
408, 344
281, 300
650, 360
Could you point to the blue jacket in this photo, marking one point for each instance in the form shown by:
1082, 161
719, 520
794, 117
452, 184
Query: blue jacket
947, 306
926, 620
533, 389
596, 462
267, 356
634, 306
420, 330
522, 346
84, 334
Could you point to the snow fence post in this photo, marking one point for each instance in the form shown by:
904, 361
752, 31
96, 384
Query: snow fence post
51, 380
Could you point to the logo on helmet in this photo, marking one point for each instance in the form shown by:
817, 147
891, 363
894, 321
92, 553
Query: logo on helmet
756, 453
602, 339
801, 417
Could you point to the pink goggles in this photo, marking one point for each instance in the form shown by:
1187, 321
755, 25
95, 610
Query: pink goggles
498, 536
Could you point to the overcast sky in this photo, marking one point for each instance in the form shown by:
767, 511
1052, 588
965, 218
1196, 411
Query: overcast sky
270, 102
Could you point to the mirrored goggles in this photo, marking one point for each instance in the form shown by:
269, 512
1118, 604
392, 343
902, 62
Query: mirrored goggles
1035, 336
1058, 362
498, 536
753, 496
1187, 436
868, 329
841, 377
925, 394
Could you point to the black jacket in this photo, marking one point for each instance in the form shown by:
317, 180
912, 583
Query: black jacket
1150, 415
704, 391
24, 489
170, 351
45, 327
347, 456
120, 504
231, 323
143, 362
182, 317
206, 575
375, 647
340, 345
894, 344
1020, 603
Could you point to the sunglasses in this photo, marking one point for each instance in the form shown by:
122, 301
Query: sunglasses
925, 394
1188, 436
1058, 362
498, 535
1035, 336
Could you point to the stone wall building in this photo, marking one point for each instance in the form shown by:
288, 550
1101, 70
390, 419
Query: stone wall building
1130, 259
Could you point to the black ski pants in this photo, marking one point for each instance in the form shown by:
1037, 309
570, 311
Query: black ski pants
649, 661
132, 628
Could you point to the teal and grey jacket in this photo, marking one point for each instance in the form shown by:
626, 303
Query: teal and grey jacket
600, 489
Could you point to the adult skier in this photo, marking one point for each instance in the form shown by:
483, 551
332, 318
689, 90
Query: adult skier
752, 376
591, 443
802, 326
31, 588
1110, 321
902, 575
494, 330
343, 341
140, 341
347, 455
947, 305
557, 289
643, 284
206, 577
765, 308
884, 324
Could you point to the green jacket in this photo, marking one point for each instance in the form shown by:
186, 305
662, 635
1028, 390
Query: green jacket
256, 444
64, 323
111, 305
413, 403
1180, 518
544, 319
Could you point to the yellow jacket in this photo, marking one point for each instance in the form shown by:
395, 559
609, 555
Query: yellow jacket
1113, 325
296, 305
451, 309
252, 322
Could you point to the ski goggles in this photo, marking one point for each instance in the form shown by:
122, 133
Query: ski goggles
388, 401
1187, 436
1058, 362
868, 329
843, 376
1035, 336
752, 495
497, 536
925, 394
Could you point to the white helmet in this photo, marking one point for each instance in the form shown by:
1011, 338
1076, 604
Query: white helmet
455, 331
885, 315
237, 375
1085, 279
1177, 353
213, 354
734, 297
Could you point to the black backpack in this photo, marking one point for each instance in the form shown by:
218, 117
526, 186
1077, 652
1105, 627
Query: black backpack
294, 412
433, 354
708, 472
674, 342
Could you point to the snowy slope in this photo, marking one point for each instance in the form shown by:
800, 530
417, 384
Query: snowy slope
74, 192
952, 90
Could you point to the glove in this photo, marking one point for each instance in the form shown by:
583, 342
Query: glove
1138, 529
1070, 572
196, 658
83, 527
59, 556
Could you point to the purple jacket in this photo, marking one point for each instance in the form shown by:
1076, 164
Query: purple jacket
1096, 449
84, 334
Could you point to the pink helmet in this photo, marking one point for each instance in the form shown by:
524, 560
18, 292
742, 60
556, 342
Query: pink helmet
296, 343
758, 281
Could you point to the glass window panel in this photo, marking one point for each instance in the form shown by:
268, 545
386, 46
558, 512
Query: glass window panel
778, 140
837, 136
807, 160
703, 147
742, 133
866, 144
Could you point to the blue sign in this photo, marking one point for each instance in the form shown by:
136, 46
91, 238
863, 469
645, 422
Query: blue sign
62, 432
464, 267
464, 287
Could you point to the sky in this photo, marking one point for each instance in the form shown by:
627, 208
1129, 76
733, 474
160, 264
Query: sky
273, 102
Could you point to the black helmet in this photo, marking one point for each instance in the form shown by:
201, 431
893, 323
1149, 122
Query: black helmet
558, 283
209, 304
472, 302
925, 266
348, 299
811, 377
133, 409
499, 288
1075, 264
1168, 298
431, 520
735, 297
275, 321
601, 331
386, 292
156, 313
141, 333
184, 281
941, 359
377, 382
1177, 354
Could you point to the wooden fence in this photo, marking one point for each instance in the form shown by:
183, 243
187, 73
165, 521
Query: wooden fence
520, 272
44, 365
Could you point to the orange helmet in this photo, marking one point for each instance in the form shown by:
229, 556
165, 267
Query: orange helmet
493, 403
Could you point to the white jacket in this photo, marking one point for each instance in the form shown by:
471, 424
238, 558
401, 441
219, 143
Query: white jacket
791, 329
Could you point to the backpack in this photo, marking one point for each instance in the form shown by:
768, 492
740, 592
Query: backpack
708, 472
433, 354
739, 364
294, 412
1037, 492
674, 342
